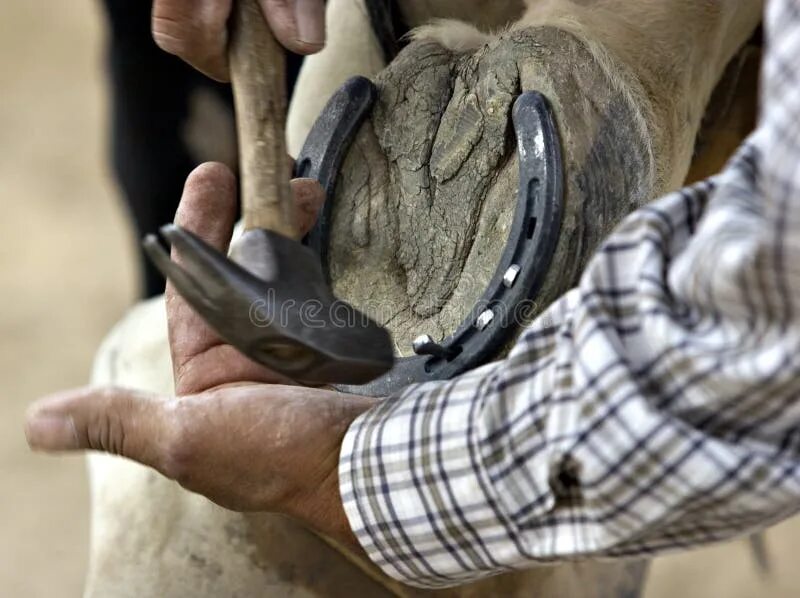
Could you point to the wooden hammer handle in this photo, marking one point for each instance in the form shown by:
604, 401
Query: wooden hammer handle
258, 75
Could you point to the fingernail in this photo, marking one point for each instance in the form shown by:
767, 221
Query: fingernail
51, 433
310, 16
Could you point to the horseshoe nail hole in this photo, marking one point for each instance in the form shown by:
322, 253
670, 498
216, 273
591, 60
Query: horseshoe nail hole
534, 185
531, 226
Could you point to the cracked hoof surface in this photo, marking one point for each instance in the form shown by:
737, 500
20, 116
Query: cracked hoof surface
427, 191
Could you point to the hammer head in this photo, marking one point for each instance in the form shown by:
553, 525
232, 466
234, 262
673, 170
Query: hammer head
271, 302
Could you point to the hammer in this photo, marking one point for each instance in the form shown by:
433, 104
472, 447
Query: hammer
270, 300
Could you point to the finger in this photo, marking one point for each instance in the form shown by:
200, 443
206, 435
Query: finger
208, 209
196, 31
208, 205
298, 25
119, 421
308, 199
200, 359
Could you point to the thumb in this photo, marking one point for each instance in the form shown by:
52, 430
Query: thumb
119, 421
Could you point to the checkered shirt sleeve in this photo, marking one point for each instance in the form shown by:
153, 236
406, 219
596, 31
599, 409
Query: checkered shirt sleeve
653, 407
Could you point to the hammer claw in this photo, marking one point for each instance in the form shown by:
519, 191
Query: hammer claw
208, 267
157, 254
184, 282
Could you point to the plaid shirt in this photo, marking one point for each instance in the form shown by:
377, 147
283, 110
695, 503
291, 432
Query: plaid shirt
654, 407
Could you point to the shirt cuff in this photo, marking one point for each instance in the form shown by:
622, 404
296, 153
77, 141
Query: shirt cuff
412, 485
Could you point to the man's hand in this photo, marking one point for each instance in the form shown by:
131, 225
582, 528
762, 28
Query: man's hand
197, 30
231, 434
200, 359
248, 447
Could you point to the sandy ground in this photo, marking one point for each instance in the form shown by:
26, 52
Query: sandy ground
66, 275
